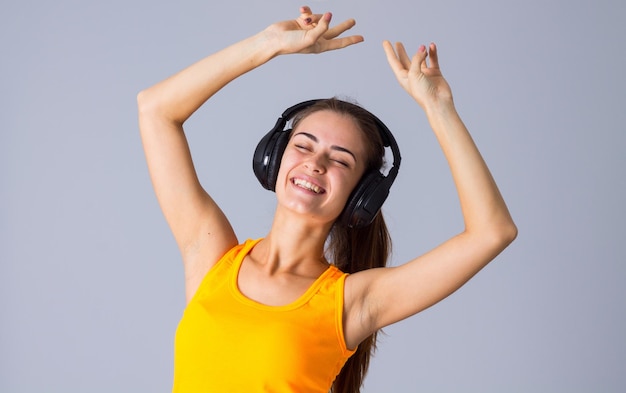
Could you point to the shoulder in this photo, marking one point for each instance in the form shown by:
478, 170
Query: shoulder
198, 263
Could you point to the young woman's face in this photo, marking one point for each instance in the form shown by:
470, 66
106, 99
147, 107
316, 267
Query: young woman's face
323, 162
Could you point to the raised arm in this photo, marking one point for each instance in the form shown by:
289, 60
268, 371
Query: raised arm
201, 230
385, 296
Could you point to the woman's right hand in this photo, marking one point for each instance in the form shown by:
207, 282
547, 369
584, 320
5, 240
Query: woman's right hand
309, 33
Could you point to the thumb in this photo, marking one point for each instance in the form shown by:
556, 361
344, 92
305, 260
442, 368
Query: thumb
322, 25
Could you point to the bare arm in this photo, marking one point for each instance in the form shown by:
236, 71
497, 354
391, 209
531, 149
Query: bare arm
385, 296
201, 230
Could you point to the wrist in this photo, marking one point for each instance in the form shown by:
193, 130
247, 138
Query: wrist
272, 43
440, 108
261, 49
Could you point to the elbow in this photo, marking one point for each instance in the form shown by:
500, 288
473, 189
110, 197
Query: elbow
153, 106
145, 112
495, 237
509, 233
145, 102
503, 234
151, 109
151, 103
141, 98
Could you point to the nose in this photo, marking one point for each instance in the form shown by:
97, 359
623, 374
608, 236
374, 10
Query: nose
316, 164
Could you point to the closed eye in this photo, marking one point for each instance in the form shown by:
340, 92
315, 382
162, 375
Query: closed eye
303, 147
342, 163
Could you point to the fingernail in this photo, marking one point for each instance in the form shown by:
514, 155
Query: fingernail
308, 20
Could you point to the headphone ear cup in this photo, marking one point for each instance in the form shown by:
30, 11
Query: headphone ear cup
365, 201
264, 159
261, 158
275, 158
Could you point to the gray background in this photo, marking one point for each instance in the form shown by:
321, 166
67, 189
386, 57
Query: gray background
91, 285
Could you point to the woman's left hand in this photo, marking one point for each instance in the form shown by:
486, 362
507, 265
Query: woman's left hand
423, 81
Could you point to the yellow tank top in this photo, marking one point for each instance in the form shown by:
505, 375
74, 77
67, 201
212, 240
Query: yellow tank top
226, 342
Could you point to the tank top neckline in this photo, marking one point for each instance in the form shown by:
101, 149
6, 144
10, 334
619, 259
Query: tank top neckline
303, 299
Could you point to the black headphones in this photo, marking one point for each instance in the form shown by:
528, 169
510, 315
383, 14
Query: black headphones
369, 194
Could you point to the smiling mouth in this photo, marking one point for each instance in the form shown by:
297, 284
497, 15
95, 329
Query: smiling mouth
308, 186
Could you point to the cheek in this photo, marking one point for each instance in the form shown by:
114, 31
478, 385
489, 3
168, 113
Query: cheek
285, 162
349, 183
356, 178
288, 162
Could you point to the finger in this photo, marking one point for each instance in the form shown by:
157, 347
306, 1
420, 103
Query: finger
434, 58
305, 14
337, 30
307, 18
403, 57
323, 21
392, 58
308, 21
390, 52
322, 30
339, 43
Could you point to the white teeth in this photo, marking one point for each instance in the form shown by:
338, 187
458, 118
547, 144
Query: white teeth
306, 185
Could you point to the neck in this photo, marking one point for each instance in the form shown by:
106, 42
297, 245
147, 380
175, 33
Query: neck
293, 244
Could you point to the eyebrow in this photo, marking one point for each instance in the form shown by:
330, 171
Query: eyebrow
333, 147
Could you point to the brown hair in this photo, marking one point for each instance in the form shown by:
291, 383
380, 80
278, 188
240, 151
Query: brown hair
344, 246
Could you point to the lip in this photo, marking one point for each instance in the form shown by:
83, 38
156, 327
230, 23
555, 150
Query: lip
307, 179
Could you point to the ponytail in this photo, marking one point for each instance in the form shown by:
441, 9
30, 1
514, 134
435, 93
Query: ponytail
346, 247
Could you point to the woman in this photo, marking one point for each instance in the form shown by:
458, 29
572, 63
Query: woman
274, 314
